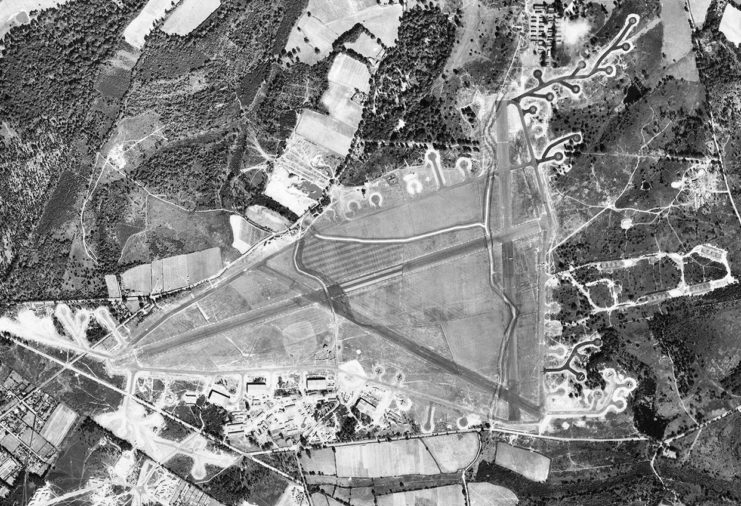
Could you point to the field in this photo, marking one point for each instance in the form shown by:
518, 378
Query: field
677, 45
189, 15
428, 456
322, 22
367, 46
172, 273
89, 454
451, 494
532, 465
14, 12
423, 273
325, 131
139, 28
245, 233
58, 425
487, 494
729, 24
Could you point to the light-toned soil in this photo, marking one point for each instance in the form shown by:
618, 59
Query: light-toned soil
487, 494
189, 15
450, 495
529, 464
139, 28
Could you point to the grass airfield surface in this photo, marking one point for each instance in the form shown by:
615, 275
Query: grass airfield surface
413, 275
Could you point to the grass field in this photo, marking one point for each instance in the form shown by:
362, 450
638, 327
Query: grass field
189, 15
245, 234
58, 425
529, 464
172, 273
449, 495
487, 494
325, 131
292, 339
416, 456
320, 462
677, 44
323, 21
401, 215
143, 23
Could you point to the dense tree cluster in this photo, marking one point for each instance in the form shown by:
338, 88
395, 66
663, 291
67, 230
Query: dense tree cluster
49, 67
401, 86
245, 481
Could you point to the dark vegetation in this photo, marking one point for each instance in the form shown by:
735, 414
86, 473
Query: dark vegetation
49, 66
633, 484
245, 481
180, 170
214, 417
90, 450
401, 86
401, 91
614, 353
49, 94
62, 95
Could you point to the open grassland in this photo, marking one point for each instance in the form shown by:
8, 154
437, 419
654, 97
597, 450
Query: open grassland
530, 464
676, 48
323, 21
439, 454
189, 15
320, 462
451, 296
172, 273
449, 495
488, 494
395, 213
58, 425
15, 12
139, 28
254, 341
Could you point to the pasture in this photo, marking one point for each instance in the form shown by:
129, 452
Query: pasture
172, 273
395, 213
247, 342
267, 218
349, 72
529, 464
367, 46
488, 494
245, 234
142, 24
325, 131
677, 40
323, 21
451, 495
321, 462
58, 424
428, 456
15, 12
730, 24
189, 15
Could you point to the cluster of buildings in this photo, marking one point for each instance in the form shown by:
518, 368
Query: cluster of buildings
32, 427
544, 31
268, 410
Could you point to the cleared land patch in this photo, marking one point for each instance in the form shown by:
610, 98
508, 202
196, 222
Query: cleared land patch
189, 15
416, 456
488, 494
529, 464
449, 495
323, 21
172, 273
139, 28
